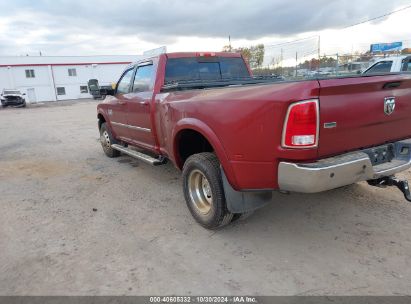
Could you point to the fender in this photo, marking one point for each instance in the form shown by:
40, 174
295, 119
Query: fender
103, 113
208, 133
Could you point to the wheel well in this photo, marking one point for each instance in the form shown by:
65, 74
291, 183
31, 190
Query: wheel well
191, 142
101, 120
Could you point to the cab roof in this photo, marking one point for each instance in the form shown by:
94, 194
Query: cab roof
187, 55
201, 54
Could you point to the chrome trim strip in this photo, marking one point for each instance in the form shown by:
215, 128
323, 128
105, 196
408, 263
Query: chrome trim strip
286, 121
130, 127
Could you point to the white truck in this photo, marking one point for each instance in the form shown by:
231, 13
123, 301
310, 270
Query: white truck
390, 65
12, 98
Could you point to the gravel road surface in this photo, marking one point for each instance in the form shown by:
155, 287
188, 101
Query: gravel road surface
74, 222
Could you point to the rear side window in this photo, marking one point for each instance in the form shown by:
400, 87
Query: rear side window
208, 68
380, 68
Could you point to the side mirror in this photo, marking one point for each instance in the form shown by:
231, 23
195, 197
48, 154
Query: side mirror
358, 72
105, 92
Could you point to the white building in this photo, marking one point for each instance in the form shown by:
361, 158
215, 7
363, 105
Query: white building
45, 78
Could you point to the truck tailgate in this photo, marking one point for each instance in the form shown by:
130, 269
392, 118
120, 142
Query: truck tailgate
356, 105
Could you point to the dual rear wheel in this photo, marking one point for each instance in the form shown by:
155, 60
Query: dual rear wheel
204, 192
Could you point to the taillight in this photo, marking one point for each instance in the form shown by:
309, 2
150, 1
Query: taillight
301, 125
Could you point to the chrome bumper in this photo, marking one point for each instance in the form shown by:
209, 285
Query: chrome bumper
341, 170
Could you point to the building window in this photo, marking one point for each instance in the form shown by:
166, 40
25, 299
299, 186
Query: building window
30, 74
61, 91
72, 72
83, 89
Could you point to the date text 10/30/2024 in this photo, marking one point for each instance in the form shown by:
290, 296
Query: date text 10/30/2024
203, 299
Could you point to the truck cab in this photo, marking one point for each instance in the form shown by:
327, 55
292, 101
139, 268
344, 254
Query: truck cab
390, 65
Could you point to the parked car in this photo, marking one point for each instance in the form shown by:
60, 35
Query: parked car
12, 98
390, 65
237, 138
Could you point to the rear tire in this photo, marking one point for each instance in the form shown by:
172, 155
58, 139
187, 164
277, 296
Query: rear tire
106, 140
203, 191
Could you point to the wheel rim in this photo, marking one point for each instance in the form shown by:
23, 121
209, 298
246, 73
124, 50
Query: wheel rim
200, 192
105, 140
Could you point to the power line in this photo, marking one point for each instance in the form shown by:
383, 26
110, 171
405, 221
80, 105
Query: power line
348, 26
293, 41
379, 17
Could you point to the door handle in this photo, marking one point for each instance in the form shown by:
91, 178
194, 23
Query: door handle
144, 103
121, 102
392, 85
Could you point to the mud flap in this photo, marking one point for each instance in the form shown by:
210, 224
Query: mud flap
244, 201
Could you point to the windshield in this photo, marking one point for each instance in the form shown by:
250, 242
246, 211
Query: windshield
205, 68
9, 92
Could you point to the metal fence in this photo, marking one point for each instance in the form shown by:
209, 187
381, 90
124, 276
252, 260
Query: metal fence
301, 59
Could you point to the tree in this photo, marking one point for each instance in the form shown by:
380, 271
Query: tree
254, 55
246, 52
257, 54
227, 48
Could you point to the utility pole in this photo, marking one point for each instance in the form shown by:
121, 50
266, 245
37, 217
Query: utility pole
281, 67
337, 67
296, 63
319, 52
229, 43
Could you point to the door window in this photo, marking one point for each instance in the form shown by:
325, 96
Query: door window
380, 68
143, 79
123, 86
406, 66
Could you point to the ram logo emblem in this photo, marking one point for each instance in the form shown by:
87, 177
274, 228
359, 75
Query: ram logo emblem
389, 105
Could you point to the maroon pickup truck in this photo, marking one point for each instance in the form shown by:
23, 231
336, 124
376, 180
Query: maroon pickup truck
237, 138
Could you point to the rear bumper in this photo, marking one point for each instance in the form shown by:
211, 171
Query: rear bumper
341, 170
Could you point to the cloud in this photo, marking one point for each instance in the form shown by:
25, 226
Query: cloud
50, 23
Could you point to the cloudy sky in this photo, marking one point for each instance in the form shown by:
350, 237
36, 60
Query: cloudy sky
86, 27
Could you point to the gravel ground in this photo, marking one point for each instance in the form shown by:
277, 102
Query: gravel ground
75, 222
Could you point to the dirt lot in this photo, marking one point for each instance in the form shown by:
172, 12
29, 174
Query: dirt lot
141, 240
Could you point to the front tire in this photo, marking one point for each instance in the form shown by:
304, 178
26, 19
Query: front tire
204, 192
106, 140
